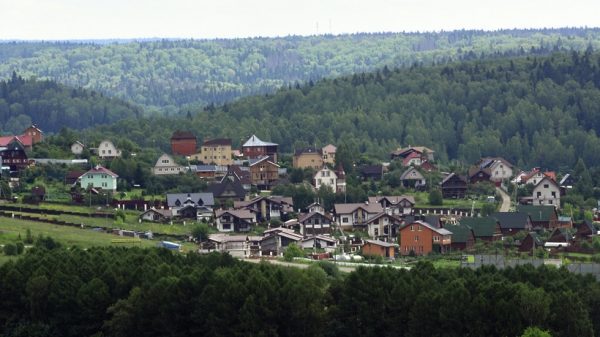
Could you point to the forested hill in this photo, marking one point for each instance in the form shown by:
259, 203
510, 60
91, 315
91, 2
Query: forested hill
169, 74
533, 111
53, 106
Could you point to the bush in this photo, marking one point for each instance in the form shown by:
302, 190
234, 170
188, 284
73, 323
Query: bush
292, 251
28, 237
10, 249
435, 198
20, 248
330, 268
120, 214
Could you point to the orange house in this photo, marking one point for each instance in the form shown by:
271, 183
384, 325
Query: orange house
183, 143
379, 248
35, 133
422, 239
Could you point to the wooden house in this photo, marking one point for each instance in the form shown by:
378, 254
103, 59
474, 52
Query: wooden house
531, 242
541, 216
454, 187
263, 173
462, 236
379, 248
513, 222
485, 229
239, 220
183, 143
255, 148
315, 223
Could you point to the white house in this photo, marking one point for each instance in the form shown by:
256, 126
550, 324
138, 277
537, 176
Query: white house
77, 148
325, 177
500, 169
167, 165
350, 216
546, 192
107, 149
99, 178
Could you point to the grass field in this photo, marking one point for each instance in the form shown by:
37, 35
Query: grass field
422, 200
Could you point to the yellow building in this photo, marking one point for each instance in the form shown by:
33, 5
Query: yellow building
308, 157
215, 151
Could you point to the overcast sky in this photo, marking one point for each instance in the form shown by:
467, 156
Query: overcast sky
101, 19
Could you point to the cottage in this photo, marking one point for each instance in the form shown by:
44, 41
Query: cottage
541, 216
326, 177
412, 178
166, 165
239, 173
255, 148
319, 242
454, 186
268, 207
351, 216
13, 153
77, 148
183, 143
462, 237
485, 229
215, 151
493, 169
209, 172
560, 238
513, 222
156, 215
420, 238
374, 172
195, 206
241, 246
328, 152
379, 248
108, 150
227, 190
263, 173
315, 223
308, 157
546, 192
395, 205
99, 178
586, 230
531, 242
383, 226
239, 220
277, 240
35, 133
423, 152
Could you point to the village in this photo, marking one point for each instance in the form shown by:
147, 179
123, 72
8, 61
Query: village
517, 211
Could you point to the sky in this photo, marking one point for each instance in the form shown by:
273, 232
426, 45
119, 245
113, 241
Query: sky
112, 19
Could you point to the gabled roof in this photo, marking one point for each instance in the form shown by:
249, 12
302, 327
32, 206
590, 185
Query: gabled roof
183, 135
78, 142
320, 237
238, 213
410, 156
440, 231
217, 189
513, 220
329, 148
536, 238
482, 227
167, 213
419, 149
460, 233
393, 199
560, 235
381, 215
25, 140
381, 243
537, 213
255, 141
474, 170
564, 179
307, 150
217, 142
207, 198
278, 199
35, 127
223, 238
372, 208
306, 216
260, 160
405, 174
372, 169
102, 170
451, 176
547, 179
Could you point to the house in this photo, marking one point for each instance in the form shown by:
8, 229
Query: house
194, 206
277, 240
533, 177
513, 222
99, 178
72, 177
494, 169
327, 177
238, 220
560, 238
463, 237
315, 223
241, 246
315, 207
351, 216
531, 242
319, 242
422, 239
566, 183
215, 151
328, 152
541, 216
395, 205
413, 159
485, 229
308, 157
374, 172
156, 215
341, 179
13, 154
255, 148
239, 173
183, 143
412, 178
35, 133
454, 186
77, 148
227, 190
108, 150
546, 192
268, 207
423, 152
379, 248
209, 171
263, 173
383, 226
166, 165
586, 230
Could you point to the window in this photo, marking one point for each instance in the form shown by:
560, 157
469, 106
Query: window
416, 238
539, 194
419, 228
436, 238
226, 226
546, 185
412, 228
345, 219
109, 151
103, 151
553, 194
376, 231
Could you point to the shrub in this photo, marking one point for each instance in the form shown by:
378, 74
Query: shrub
10, 249
435, 198
20, 248
292, 251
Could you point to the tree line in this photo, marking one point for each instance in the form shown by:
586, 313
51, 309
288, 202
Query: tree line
114, 291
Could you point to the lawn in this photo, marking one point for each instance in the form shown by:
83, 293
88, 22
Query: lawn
422, 200
65, 207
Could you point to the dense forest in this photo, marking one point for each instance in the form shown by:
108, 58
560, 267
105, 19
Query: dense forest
54, 106
534, 111
53, 291
168, 74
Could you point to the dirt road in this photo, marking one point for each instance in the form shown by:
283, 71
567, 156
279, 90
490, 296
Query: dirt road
505, 207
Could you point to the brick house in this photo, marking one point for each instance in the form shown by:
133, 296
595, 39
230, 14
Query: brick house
36, 134
422, 239
183, 143
215, 151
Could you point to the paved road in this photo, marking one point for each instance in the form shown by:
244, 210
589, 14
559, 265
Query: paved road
505, 207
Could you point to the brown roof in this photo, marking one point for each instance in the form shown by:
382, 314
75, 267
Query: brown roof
419, 149
238, 213
381, 243
349, 208
183, 135
393, 199
306, 216
217, 141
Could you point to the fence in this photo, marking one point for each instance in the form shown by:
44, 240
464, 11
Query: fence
501, 262
446, 211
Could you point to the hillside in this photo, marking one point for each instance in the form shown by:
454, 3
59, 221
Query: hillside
533, 111
169, 74
54, 106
